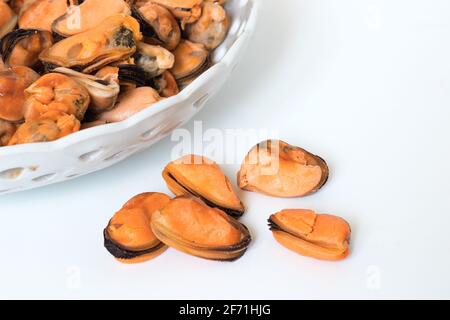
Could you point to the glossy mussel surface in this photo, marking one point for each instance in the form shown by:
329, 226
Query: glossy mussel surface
114, 39
128, 236
276, 168
321, 236
201, 177
189, 225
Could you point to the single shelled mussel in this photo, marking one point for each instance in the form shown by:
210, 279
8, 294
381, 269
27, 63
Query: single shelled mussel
211, 28
158, 25
22, 47
320, 236
276, 168
189, 225
191, 60
201, 177
128, 236
88, 15
114, 39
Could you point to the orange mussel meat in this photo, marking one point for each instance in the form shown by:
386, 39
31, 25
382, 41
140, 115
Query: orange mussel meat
320, 236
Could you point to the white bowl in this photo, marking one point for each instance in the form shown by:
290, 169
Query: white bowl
29, 166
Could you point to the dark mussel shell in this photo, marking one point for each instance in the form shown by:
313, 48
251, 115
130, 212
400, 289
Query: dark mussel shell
189, 225
22, 47
158, 25
134, 74
123, 254
166, 85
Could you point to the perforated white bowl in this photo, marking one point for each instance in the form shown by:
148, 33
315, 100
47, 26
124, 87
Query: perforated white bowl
33, 165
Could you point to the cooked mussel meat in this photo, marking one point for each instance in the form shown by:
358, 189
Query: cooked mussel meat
320, 236
191, 59
13, 82
8, 19
17, 5
188, 11
7, 130
103, 91
127, 75
278, 169
40, 14
22, 47
3, 67
56, 91
189, 225
221, 2
114, 39
158, 25
49, 126
129, 103
88, 15
153, 59
128, 236
101, 61
211, 28
166, 85
201, 177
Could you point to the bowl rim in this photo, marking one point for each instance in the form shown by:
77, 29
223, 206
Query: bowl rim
110, 128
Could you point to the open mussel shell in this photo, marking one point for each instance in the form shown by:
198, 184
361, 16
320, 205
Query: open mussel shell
320, 236
40, 14
88, 15
211, 28
128, 236
114, 39
190, 226
157, 22
22, 47
191, 60
276, 168
153, 59
8, 19
102, 91
201, 177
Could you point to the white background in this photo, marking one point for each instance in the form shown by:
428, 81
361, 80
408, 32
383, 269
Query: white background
366, 85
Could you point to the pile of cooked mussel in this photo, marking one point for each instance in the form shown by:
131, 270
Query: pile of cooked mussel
201, 220
93, 62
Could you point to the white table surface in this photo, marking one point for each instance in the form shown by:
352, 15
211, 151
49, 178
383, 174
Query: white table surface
366, 85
